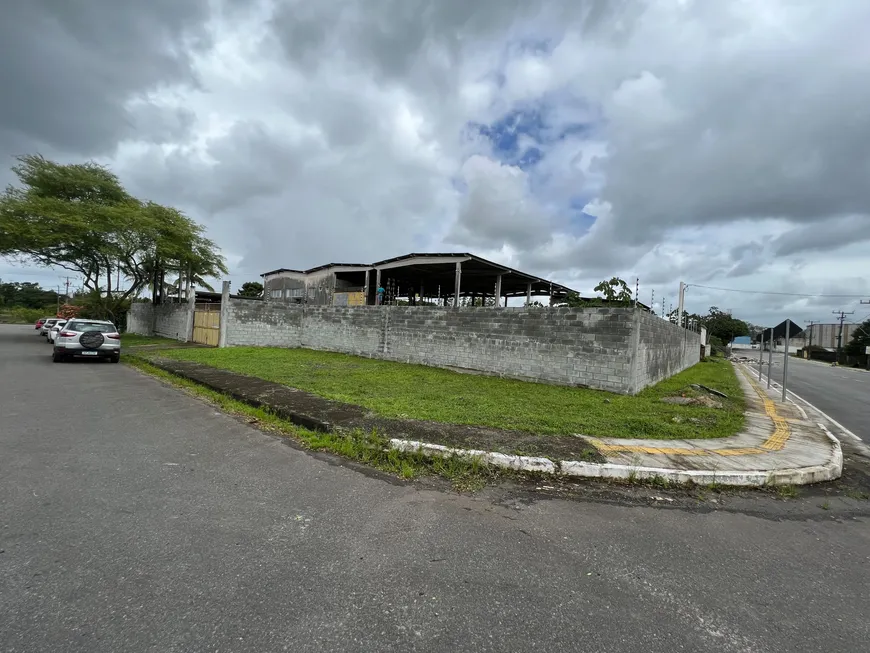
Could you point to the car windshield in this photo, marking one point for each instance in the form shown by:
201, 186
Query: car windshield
59, 323
50, 321
91, 326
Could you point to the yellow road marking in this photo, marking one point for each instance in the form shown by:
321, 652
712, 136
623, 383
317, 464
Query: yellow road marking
781, 431
775, 442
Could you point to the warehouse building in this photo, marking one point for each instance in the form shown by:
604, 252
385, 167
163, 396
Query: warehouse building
427, 279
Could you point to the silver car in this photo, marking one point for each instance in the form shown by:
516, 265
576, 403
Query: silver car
83, 338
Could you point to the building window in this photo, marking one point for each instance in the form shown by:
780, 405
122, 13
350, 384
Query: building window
312, 293
296, 292
276, 294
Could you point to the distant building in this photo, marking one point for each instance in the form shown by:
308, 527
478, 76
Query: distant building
825, 335
742, 342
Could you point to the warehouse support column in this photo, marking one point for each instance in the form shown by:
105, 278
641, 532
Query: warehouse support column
458, 279
366, 290
529, 293
498, 290
378, 296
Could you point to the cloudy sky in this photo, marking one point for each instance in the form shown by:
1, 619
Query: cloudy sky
719, 143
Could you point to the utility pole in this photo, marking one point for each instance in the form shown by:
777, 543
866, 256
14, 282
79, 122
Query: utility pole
810, 345
843, 315
680, 303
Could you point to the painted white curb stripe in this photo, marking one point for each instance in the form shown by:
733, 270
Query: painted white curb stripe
799, 476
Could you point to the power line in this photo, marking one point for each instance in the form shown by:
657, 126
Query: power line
771, 292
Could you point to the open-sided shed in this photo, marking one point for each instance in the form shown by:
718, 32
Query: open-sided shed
464, 275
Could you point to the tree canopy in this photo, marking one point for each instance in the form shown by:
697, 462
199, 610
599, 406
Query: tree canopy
251, 289
722, 325
860, 340
25, 295
80, 218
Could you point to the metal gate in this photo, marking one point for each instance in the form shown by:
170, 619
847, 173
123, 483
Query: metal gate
207, 324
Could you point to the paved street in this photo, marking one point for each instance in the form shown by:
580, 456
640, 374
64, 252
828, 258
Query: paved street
134, 517
842, 393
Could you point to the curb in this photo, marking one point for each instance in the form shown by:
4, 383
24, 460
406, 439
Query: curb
829, 471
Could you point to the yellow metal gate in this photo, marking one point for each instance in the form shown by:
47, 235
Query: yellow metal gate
207, 324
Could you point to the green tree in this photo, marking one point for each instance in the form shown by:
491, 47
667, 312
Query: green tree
860, 340
80, 218
615, 291
722, 325
26, 295
251, 289
574, 300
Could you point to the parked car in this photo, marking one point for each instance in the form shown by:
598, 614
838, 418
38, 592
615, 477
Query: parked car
47, 325
83, 338
39, 323
52, 333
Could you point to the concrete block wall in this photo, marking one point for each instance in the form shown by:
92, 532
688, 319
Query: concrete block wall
578, 347
663, 349
582, 347
361, 330
255, 323
140, 319
172, 320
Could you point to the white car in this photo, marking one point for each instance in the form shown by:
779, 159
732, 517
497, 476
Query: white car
84, 338
46, 326
55, 329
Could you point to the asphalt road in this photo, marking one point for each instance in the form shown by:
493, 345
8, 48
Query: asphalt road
842, 393
134, 517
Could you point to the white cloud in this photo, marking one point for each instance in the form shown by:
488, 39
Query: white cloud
715, 142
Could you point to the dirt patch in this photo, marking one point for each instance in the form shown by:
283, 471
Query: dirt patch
701, 400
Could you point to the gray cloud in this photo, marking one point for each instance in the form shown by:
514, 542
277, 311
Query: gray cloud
68, 69
742, 133
823, 236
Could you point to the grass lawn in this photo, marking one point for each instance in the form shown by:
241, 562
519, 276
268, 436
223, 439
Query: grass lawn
419, 392
134, 340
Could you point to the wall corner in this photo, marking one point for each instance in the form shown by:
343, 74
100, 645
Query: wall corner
634, 352
225, 310
191, 310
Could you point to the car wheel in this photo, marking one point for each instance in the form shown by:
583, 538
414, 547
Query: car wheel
57, 358
116, 359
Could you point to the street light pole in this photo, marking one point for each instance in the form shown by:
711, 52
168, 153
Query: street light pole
761, 356
769, 356
784, 360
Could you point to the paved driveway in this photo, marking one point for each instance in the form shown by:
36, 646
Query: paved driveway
136, 518
842, 393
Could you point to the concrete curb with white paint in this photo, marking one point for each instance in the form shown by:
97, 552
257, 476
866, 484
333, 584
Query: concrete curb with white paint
829, 471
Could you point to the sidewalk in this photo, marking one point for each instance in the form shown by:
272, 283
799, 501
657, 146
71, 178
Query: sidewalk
780, 445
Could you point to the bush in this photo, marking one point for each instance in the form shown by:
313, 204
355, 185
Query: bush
20, 315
